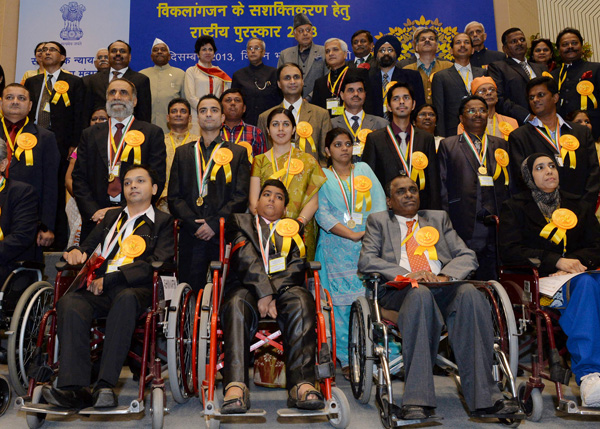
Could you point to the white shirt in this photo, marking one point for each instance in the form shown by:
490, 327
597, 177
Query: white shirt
128, 229
111, 76
350, 115
53, 80
436, 266
466, 72
296, 111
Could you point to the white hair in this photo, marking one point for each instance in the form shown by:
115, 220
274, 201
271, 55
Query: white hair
343, 44
474, 23
261, 41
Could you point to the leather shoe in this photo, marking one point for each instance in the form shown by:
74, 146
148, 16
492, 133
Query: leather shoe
413, 412
501, 407
76, 399
104, 398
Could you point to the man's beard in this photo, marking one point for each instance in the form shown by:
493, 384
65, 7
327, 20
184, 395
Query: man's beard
387, 61
119, 112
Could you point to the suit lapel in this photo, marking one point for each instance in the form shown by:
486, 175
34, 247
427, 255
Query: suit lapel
517, 67
457, 78
102, 142
464, 146
311, 57
394, 231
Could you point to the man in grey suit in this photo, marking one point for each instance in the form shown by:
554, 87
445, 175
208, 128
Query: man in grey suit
422, 309
354, 119
451, 85
310, 57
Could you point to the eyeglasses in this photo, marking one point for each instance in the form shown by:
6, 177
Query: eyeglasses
484, 91
426, 115
254, 49
473, 110
386, 50
304, 30
50, 49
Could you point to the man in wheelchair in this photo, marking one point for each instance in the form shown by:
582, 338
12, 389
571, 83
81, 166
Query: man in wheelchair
269, 271
129, 240
391, 248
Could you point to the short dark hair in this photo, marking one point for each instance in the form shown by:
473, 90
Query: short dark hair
284, 65
509, 31
397, 85
37, 46
573, 114
537, 42
233, 91
17, 85
151, 172
547, 81
464, 101
209, 97
278, 184
332, 134
61, 50
421, 107
122, 41
179, 100
352, 78
423, 31
204, 40
359, 32
277, 111
569, 30
388, 186
458, 34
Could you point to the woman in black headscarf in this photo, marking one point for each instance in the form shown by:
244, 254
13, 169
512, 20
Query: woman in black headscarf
531, 228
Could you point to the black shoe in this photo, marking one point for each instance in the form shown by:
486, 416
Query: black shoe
413, 412
3, 356
501, 407
104, 398
76, 399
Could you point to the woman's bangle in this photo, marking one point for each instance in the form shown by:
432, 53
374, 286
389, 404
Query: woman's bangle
303, 219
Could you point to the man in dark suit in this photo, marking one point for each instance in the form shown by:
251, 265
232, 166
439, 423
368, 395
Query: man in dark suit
401, 148
209, 179
474, 184
119, 55
256, 289
575, 156
450, 86
572, 77
387, 50
107, 149
482, 56
362, 48
33, 156
388, 248
512, 74
128, 240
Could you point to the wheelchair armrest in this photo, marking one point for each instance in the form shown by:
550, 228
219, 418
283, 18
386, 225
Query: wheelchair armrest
64, 266
164, 267
369, 276
216, 265
313, 265
30, 265
520, 269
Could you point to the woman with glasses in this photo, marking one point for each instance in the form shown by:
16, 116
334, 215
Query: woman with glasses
425, 118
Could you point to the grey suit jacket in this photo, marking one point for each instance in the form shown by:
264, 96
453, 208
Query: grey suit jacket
447, 91
315, 116
370, 122
381, 247
313, 68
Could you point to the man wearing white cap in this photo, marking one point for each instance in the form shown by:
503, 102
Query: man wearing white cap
166, 83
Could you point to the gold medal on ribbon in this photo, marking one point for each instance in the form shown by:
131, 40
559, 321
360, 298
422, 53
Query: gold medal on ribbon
199, 201
288, 229
568, 145
562, 220
248, 147
426, 238
26, 142
134, 139
305, 131
585, 88
419, 163
363, 185
482, 170
61, 87
222, 158
502, 160
133, 246
351, 223
111, 177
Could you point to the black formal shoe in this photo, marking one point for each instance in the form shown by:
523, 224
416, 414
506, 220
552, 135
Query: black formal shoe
3, 356
76, 399
501, 407
104, 398
413, 412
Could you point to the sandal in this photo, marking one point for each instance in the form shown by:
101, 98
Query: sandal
238, 404
302, 402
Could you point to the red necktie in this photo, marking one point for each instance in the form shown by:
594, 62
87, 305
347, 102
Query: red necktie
114, 187
417, 262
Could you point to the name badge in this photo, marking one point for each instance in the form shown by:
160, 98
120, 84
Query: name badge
47, 108
357, 149
113, 265
559, 160
337, 111
115, 170
486, 181
356, 217
332, 103
276, 265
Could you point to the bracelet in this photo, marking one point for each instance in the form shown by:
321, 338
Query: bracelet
302, 219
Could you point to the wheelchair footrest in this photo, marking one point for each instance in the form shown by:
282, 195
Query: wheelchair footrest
571, 407
253, 412
324, 368
295, 412
28, 407
402, 422
515, 416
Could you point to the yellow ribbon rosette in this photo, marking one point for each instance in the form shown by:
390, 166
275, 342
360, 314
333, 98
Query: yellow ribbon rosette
132, 247
505, 128
568, 145
426, 238
61, 87
248, 147
295, 167
546, 74
222, 158
419, 164
501, 163
288, 229
362, 138
133, 140
26, 142
562, 220
304, 131
585, 88
363, 185
385, 91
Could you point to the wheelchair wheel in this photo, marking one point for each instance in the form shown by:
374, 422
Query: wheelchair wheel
343, 409
534, 406
158, 408
360, 350
204, 339
36, 420
25, 324
179, 343
4, 395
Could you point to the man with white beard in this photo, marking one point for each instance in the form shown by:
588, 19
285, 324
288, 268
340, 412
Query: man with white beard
105, 151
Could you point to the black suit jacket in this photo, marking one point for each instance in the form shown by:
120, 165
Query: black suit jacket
66, 121
400, 75
511, 80
460, 182
486, 56
371, 61
570, 99
43, 174
90, 176
447, 91
383, 159
95, 95
222, 198
521, 222
247, 268
160, 246
321, 92
583, 180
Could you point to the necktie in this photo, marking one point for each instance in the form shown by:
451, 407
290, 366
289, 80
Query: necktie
359, 61
114, 187
291, 108
355, 124
386, 81
43, 115
524, 65
116, 74
417, 262
402, 136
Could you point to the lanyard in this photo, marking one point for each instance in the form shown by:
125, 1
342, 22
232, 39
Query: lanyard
201, 166
10, 142
238, 137
116, 150
332, 90
349, 207
562, 79
484, 145
110, 244
46, 82
354, 134
2, 183
275, 165
264, 250
548, 137
465, 80
173, 141
403, 159
415, 227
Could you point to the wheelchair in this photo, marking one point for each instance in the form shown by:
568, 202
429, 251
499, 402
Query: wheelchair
42, 321
371, 330
198, 346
